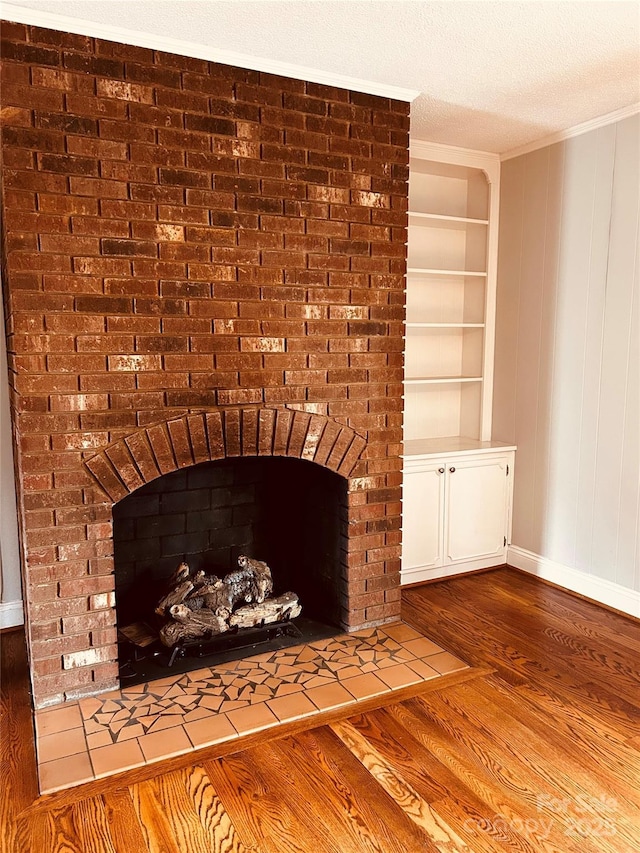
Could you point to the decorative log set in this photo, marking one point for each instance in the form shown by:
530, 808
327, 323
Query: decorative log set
202, 605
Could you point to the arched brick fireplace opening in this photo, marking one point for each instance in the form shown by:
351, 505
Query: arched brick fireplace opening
300, 467
141, 457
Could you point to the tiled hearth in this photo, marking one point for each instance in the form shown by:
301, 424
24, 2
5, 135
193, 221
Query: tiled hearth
123, 729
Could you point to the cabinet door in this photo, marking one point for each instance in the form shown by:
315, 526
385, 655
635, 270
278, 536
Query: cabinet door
422, 514
477, 509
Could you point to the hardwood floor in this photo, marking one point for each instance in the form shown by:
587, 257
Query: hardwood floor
537, 749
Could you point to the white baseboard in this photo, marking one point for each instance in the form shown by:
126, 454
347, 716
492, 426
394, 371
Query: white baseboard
11, 614
597, 589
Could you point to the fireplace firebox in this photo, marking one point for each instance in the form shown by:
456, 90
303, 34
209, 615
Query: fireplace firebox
289, 513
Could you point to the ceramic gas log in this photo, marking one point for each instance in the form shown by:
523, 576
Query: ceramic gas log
205, 605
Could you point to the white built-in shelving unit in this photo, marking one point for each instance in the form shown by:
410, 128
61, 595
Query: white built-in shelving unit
449, 349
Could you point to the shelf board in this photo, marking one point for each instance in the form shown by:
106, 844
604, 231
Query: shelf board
426, 271
411, 325
440, 380
442, 221
458, 444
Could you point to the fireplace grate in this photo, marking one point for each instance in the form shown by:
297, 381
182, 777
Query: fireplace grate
139, 664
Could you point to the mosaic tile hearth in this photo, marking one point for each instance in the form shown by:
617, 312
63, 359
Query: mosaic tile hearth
123, 729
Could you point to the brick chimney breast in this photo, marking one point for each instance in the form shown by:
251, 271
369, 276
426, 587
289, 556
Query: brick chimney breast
199, 261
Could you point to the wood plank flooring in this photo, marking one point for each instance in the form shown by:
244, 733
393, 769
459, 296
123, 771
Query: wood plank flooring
537, 749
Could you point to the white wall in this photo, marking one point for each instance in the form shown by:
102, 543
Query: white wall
567, 379
10, 585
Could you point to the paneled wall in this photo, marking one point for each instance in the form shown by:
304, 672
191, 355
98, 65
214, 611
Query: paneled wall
567, 380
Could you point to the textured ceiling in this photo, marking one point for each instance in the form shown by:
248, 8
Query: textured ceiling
492, 75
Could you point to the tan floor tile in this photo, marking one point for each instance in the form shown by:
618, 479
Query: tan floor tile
90, 706
292, 707
214, 729
111, 694
320, 681
348, 672
131, 732
423, 647
364, 633
165, 744
199, 674
252, 719
197, 714
256, 676
320, 645
265, 657
61, 744
423, 669
58, 719
401, 632
398, 676
166, 722
161, 684
306, 654
385, 663
64, 772
445, 662
122, 714
144, 701
285, 689
117, 757
212, 703
363, 686
134, 690
285, 671
186, 700
332, 696
233, 706
102, 738
403, 654
308, 666
91, 726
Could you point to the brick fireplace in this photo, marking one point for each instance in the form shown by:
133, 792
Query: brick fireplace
199, 262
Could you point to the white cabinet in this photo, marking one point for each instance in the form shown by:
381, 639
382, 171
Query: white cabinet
423, 516
477, 508
456, 513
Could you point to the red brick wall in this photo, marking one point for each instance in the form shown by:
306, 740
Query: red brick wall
185, 236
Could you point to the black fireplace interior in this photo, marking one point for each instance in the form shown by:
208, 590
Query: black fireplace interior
287, 512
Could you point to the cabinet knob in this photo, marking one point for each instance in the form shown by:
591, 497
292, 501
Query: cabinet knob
452, 470
440, 470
